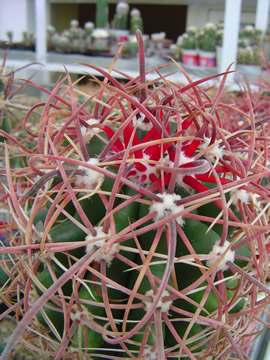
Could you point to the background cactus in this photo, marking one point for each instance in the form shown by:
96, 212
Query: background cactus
89, 27
140, 224
101, 14
120, 19
10, 36
28, 39
74, 39
251, 56
189, 39
136, 21
207, 37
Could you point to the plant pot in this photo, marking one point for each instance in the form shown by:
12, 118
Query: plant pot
207, 59
190, 57
101, 39
101, 44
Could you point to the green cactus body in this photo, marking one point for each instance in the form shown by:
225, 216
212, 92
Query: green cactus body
51, 313
145, 286
4, 278
120, 22
96, 145
101, 13
120, 19
181, 327
123, 218
94, 339
136, 23
5, 125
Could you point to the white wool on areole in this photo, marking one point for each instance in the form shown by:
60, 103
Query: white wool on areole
167, 207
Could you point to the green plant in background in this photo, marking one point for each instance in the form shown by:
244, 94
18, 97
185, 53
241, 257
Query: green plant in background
189, 39
136, 21
75, 31
10, 36
75, 35
139, 230
120, 19
249, 56
51, 37
249, 46
28, 39
219, 34
61, 43
130, 49
89, 27
176, 51
249, 37
101, 14
74, 39
88, 31
207, 37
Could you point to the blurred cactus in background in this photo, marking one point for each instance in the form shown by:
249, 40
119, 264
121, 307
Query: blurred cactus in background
207, 37
74, 40
120, 19
188, 40
10, 36
250, 56
136, 21
249, 36
28, 39
250, 46
101, 14
89, 27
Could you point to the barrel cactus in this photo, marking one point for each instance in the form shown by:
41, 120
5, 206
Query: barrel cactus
138, 228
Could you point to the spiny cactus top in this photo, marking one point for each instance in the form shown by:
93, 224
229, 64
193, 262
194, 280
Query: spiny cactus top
139, 224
